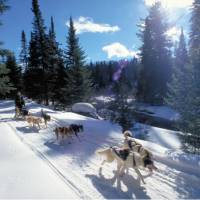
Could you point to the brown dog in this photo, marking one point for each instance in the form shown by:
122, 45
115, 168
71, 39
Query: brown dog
63, 131
32, 120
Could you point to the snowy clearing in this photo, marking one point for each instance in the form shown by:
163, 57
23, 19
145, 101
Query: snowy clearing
79, 167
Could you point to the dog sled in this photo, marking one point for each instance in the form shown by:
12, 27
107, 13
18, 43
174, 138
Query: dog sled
20, 113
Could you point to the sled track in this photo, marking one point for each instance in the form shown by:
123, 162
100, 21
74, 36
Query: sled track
85, 191
81, 192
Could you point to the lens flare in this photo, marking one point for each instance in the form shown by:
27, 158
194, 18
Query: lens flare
121, 65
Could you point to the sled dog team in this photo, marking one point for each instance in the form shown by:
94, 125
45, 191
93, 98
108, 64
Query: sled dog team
67, 131
30, 118
131, 155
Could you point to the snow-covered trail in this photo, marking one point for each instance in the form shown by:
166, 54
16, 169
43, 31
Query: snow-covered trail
80, 166
23, 174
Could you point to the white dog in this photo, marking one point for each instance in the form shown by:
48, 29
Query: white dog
126, 159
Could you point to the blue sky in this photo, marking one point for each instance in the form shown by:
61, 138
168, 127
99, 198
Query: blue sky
106, 28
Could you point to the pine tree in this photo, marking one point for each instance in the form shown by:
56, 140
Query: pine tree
177, 93
195, 37
58, 71
192, 116
3, 8
155, 71
5, 86
23, 56
32, 74
78, 78
14, 74
39, 68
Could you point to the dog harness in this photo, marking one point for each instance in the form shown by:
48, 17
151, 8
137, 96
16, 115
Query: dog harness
129, 144
134, 163
140, 146
122, 153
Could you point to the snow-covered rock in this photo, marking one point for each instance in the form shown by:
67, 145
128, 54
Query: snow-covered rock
85, 108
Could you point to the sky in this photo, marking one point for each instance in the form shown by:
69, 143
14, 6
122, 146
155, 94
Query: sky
106, 28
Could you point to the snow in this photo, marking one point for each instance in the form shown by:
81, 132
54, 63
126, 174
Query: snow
23, 174
83, 107
79, 167
164, 112
163, 137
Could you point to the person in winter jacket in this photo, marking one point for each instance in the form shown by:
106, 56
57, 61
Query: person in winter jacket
19, 101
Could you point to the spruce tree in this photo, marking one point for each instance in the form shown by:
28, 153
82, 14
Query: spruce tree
5, 85
14, 74
78, 85
155, 71
3, 8
58, 71
193, 114
23, 56
32, 74
43, 66
176, 96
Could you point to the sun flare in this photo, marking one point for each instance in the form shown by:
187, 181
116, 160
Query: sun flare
171, 3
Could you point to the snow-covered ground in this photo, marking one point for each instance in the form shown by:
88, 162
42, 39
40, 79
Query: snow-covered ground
79, 167
164, 112
23, 174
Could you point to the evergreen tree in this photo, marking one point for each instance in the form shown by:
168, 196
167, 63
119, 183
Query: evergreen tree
3, 8
23, 56
58, 71
184, 93
155, 71
78, 78
39, 68
5, 85
191, 116
122, 113
177, 93
14, 74
32, 74
181, 53
195, 37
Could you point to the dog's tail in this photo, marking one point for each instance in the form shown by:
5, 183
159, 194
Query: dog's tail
102, 151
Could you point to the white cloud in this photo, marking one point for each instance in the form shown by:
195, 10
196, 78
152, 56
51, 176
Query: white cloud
85, 24
118, 50
174, 33
171, 3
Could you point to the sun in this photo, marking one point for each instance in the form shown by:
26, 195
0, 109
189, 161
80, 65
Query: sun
171, 3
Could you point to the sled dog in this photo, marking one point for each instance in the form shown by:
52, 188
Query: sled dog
129, 159
45, 117
32, 120
62, 132
132, 144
